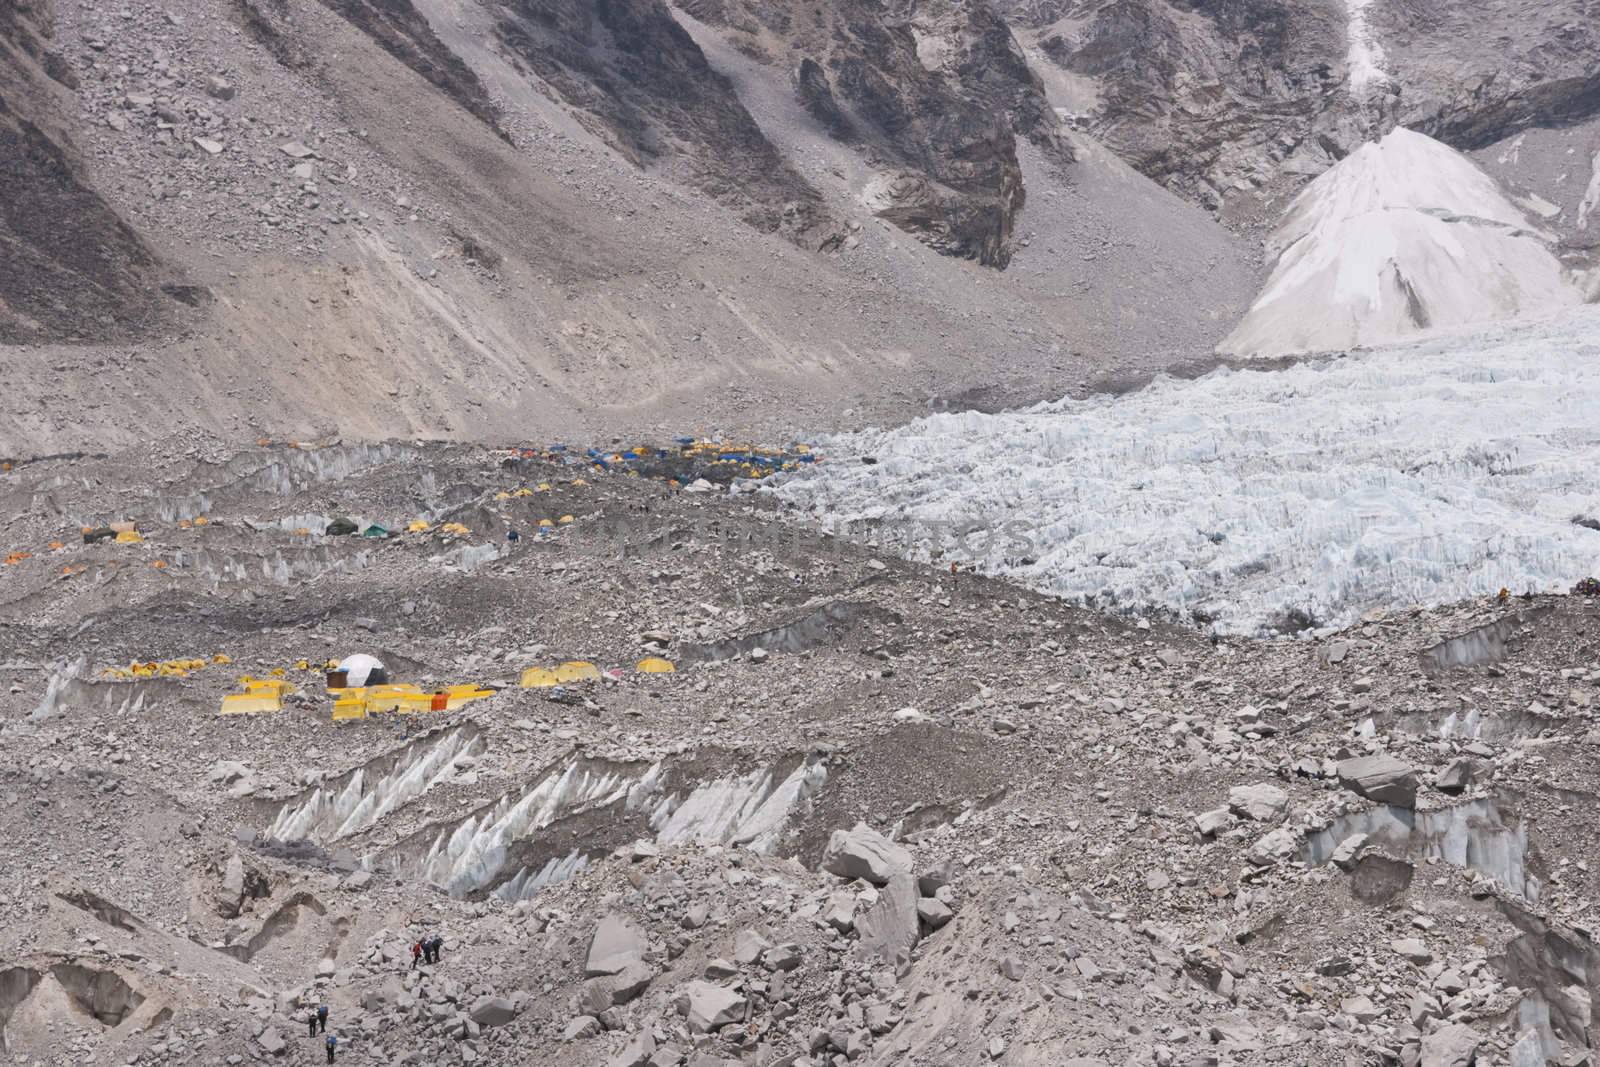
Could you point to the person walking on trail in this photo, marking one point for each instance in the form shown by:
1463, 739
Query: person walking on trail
322, 1018
331, 1044
438, 944
311, 1023
416, 954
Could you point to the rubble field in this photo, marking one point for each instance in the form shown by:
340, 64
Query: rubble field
879, 813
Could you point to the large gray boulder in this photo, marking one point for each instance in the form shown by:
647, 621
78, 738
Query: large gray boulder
1263, 802
864, 853
889, 928
609, 990
1381, 778
637, 1052
707, 1007
616, 945
492, 1011
1455, 1045
230, 893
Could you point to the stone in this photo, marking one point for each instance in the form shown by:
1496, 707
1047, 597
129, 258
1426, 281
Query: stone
937, 877
230, 892
272, 1042
1275, 847
719, 968
748, 945
934, 913
781, 957
295, 150
1212, 823
1457, 777
1413, 949
1012, 968
219, 88
1360, 1008
637, 1052
358, 881
707, 1007
1455, 1045
615, 945
1380, 778
841, 911
864, 853
889, 928
607, 991
1450, 982
1348, 852
584, 1026
1263, 802
492, 1011
208, 146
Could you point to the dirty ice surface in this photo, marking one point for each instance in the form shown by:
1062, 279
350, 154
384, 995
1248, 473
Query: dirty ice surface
1401, 238
1256, 501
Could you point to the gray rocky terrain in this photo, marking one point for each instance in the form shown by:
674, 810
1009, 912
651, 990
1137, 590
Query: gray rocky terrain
880, 813
454, 218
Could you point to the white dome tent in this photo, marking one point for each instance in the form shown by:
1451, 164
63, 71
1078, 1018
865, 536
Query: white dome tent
361, 669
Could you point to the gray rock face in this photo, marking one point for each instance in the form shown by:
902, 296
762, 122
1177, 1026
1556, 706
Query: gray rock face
1381, 778
707, 1007
864, 853
492, 1011
889, 927
1455, 1045
615, 946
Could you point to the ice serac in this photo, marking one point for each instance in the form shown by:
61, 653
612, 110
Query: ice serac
1403, 237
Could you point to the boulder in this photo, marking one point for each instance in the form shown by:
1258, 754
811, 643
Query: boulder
1349, 851
1413, 949
934, 913
637, 1052
1380, 778
1263, 802
230, 893
889, 929
272, 1042
581, 1027
1455, 1045
864, 853
492, 1011
937, 877
841, 911
1275, 847
1457, 776
616, 945
707, 1007
748, 946
1212, 823
607, 991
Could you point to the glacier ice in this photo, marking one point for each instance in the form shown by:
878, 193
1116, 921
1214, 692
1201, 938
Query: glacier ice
1255, 501
748, 810
1402, 237
359, 798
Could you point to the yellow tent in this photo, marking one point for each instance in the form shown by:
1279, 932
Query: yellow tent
577, 671
129, 537
538, 678
655, 665
418, 526
252, 703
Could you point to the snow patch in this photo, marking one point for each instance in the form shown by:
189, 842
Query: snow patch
1363, 56
1256, 501
1591, 195
1402, 238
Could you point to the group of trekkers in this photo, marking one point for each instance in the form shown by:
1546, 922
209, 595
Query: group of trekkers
424, 950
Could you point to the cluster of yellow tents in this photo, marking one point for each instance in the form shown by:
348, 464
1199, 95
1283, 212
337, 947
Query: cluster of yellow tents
358, 703
578, 670
167, 668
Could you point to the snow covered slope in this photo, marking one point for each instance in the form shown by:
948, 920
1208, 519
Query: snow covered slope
1402, 237
1259, 501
